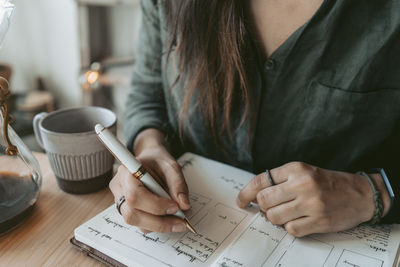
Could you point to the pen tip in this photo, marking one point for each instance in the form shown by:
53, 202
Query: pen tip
190, 226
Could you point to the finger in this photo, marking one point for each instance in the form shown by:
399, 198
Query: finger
275, 195
291, 169
116, 189
250, 191
301, 227
145, 231
142, 199
284, 213
139, 197
178, 189
154, 172
150, 222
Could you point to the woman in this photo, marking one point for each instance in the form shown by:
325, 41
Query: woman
309, 90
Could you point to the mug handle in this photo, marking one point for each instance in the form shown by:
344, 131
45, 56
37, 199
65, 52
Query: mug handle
36, 122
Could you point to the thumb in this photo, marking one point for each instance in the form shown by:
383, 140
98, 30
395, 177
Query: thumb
176, 183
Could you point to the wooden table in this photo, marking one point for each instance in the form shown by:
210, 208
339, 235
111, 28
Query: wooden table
43, 238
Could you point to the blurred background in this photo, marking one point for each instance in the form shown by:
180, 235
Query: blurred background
68, 53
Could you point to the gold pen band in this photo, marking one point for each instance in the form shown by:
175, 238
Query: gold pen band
140, 172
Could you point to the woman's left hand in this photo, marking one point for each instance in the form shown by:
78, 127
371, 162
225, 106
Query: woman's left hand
307, 199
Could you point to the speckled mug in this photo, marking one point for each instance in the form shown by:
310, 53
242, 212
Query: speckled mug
80, 162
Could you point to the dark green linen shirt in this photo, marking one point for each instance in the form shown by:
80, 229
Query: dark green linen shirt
329, 96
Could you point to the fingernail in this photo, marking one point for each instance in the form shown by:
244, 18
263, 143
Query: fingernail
179, 227
183, 198
172, 210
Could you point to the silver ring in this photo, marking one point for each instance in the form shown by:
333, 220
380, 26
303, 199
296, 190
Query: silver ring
119, 203
269, 177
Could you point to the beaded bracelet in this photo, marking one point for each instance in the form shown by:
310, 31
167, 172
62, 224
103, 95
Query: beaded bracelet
377, 200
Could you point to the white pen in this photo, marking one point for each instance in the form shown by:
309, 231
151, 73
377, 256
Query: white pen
125, 157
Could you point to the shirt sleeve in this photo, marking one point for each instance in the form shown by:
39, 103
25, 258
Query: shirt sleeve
145, 104
388, 159
394, 213
391, 165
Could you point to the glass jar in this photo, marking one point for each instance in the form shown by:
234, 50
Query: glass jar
20, 176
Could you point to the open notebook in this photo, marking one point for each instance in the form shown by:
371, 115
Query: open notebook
228, 235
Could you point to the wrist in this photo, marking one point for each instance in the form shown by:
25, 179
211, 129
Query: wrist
148, 139
380, 185
367, 208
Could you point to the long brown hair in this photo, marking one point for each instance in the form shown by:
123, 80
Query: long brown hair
210, 39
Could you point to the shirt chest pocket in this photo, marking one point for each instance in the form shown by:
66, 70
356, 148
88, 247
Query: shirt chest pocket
339, 125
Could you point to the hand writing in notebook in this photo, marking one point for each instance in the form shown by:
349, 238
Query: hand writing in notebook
230, 236
142, 208
307, 199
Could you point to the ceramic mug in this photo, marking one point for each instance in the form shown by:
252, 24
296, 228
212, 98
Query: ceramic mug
80, 162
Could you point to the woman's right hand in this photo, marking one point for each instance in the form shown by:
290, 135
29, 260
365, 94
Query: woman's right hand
142, 208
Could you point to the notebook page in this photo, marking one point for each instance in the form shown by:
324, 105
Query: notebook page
213, 189
367, 246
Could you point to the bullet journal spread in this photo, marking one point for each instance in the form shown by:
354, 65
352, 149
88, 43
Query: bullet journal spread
230, 236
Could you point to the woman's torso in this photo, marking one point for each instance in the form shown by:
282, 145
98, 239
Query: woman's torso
273, 22
329, 95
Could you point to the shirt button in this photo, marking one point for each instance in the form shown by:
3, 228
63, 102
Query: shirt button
269, 65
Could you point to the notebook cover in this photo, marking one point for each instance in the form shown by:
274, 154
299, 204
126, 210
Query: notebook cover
95, 254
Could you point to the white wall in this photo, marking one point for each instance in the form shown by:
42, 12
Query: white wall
124, 26
43, 41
